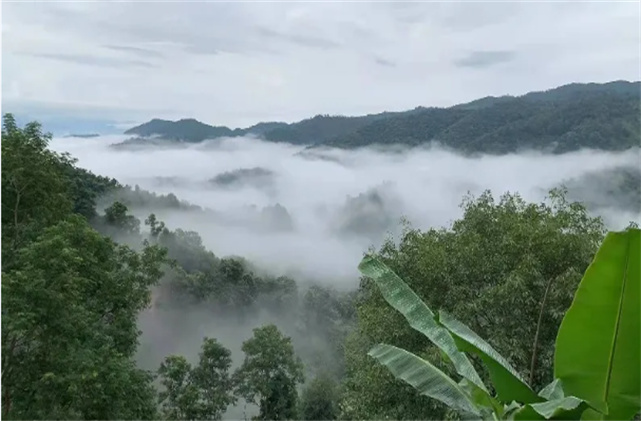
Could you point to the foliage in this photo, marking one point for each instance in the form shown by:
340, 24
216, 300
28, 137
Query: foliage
605, 318
116, 216
491, 269
188, 130
35, 189
567, 118
604, 374
269, 374
201, 392
69, 326
561, 120
319, 400
70, 297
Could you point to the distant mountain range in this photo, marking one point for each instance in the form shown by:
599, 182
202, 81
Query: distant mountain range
600, 116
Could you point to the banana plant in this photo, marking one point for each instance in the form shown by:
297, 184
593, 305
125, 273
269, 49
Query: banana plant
597, 361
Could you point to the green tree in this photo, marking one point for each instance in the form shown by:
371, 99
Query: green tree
598, 380
201, 392
116, 216
35, 188
69, 329
319, 399
269, 374
156, 227
507, 269
180, 396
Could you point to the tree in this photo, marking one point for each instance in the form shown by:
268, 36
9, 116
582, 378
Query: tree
179, 399
269, 374
156, 227
69, 332
598, 380
35, 188
212, 377
319, 400
201, 392
507, 269
116, 216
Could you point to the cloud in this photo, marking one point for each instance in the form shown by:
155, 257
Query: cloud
331, 231
483, 59
91, 60
239, 63
143, 52
305, 41
382, 62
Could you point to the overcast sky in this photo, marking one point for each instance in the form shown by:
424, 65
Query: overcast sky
239, 63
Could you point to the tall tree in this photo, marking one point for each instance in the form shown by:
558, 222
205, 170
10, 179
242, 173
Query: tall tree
35, 187
269, 374
69, 326
201, 392
319, 400
70, 296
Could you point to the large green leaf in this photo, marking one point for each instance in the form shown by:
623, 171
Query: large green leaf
507, 382
423, 376
554, 390
598, 350
567, 408
400, 296
481, 398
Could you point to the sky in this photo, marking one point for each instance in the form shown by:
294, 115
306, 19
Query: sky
115, 64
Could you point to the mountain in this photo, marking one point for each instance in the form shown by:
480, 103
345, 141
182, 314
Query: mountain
323, 128
591, 115
187, 130
599, 116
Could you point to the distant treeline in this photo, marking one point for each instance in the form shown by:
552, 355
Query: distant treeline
568, 118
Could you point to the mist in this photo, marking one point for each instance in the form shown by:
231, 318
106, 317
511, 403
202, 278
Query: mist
329, 225
311, 214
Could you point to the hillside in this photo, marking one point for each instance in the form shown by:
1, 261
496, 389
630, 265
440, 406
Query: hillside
600, 116
570, 117
318, 129
188, 130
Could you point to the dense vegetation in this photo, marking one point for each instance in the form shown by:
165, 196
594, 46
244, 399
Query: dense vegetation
600, 379
561, 120
76, 274
568, 118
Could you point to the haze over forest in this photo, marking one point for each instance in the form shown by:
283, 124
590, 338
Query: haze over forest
257, 191
182, 267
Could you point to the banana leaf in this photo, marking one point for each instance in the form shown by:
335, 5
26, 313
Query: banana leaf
400, 296
554, 390
507, 382
598, 346
567, 408
481, 398
424, 377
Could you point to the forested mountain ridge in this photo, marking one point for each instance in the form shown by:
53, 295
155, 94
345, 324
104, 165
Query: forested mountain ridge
317, 129
600, 116
561, 120
191, 130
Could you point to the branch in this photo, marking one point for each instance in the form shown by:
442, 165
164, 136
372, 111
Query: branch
538, 329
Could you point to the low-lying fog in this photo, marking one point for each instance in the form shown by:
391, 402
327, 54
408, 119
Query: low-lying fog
315, 213
318, 231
